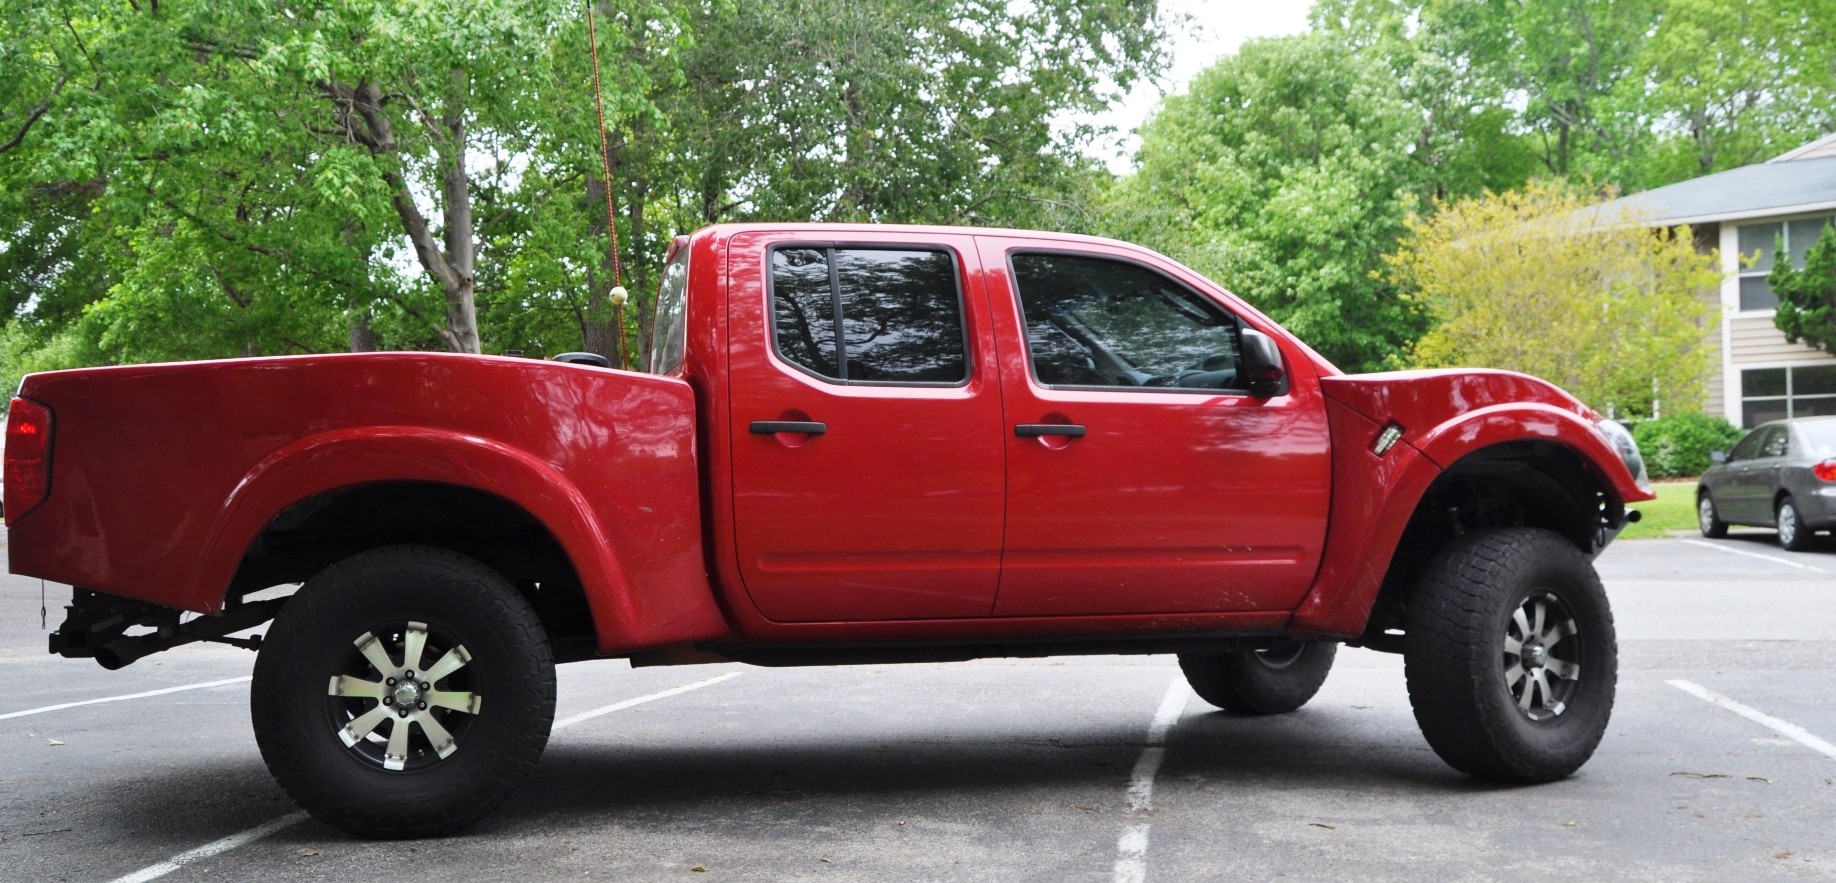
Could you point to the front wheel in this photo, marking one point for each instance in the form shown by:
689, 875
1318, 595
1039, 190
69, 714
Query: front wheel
1793, 535
1510, 656
1708, 519
1274, 681
403, 692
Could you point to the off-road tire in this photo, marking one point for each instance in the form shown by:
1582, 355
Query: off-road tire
1793, 535
1459, 625
1708, 518
1260, 681
301, 711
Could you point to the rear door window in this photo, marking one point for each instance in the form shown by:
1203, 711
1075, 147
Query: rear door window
869, 315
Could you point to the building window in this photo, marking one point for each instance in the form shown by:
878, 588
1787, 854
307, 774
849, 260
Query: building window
1796, 391
1755, 293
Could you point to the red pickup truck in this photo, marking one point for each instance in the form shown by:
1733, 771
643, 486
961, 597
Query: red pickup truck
854, 444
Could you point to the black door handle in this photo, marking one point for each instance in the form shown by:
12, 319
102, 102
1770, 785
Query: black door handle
1036, 430
773, 427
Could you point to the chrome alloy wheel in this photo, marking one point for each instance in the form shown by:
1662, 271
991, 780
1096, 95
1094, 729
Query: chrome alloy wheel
1542, 666
1705, 514
408, 695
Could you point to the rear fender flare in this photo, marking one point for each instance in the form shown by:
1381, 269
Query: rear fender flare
350, 457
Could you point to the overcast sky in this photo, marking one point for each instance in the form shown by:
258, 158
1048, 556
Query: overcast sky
1218, 27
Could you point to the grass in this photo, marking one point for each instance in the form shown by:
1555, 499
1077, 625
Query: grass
1674, 509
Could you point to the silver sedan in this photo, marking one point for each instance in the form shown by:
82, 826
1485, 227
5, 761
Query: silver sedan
1781, 475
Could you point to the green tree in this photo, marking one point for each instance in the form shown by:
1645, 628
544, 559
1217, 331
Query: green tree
232, 177
1807, 296
1536, 281
1285, 172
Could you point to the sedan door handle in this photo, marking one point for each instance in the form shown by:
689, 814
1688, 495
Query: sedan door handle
773, 427
1038, 430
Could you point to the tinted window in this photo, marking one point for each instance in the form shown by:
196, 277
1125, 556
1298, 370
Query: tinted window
1777, 443
803, 309
860, 314
1748, 448
1097, 322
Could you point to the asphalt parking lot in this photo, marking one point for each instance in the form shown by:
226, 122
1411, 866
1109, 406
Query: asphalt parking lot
1718, 765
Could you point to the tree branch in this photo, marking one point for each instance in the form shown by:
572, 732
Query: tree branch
33, 117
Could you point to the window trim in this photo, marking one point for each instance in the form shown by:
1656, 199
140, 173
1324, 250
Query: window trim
1026, 338
1783, 222
1789, 399
841, 353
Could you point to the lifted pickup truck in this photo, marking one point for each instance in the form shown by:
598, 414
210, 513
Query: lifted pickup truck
854, 444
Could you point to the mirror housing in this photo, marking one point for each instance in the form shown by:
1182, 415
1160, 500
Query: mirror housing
1718, 457
1263, 372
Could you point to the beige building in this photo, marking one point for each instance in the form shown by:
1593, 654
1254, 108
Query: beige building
1743, 211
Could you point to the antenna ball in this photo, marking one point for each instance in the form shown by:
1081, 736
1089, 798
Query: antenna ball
619, 295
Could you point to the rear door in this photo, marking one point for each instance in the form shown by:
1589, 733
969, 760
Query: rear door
866, 427
1746, 496
1142, 477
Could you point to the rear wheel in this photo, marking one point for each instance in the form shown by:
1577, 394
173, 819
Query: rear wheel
1510, 656
1274, 681
404, 692
1708, 519
1793, 535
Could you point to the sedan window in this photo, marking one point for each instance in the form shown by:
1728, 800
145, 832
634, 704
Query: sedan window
1778, 444
1748, 448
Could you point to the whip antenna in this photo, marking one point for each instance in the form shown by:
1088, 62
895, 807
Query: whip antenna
605, 166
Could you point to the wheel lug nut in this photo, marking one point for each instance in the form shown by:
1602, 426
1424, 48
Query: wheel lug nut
404, 712
409, 674
426, 686
421, 705
388, 700
391, 682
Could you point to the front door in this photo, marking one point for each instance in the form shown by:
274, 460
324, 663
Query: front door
868, 480
1142, 476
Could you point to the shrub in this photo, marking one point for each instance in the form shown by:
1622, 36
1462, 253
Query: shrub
1678, 447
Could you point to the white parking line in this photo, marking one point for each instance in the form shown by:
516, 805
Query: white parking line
1788, 730
1772, 558
619, 706
1131, 848
30, 711
154, 872
244, 838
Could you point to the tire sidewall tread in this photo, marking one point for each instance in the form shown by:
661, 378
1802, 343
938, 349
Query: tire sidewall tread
1454, 650
512, 667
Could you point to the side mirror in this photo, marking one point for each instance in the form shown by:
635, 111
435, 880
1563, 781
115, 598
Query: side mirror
1263, 372
1718, 457
584, 359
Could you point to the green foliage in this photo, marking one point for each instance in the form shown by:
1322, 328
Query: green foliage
1679, 446
1285, 172
1807, 297
1535, 282
233, 177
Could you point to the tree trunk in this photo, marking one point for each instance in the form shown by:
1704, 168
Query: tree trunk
360, 113
363, 337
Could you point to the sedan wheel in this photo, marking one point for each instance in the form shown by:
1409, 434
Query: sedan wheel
1708, 519
1793, 535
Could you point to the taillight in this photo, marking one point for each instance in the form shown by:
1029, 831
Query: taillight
1825, 470
28, 457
